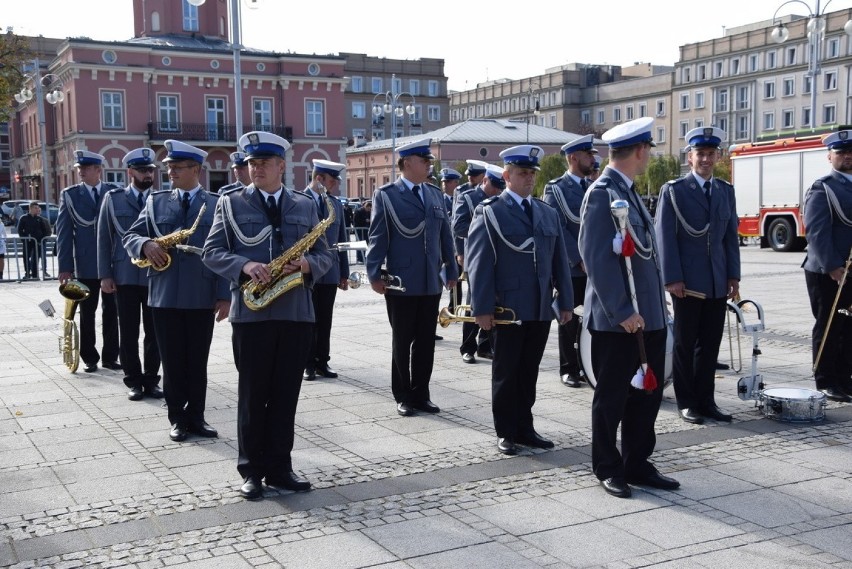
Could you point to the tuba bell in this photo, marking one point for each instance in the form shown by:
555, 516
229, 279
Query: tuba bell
74, 292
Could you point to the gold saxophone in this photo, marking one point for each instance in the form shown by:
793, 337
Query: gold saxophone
74, 292
258, 296
169, 241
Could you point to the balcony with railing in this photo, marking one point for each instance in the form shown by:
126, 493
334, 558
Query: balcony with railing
209, 132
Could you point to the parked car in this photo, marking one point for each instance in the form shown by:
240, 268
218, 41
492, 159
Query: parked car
50, 211
8, 207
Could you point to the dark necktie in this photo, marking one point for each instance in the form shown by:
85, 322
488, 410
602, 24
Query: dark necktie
323, 211
96, 195
185, 205
140, 200
416, 190
584, 184
707, 191
527, 209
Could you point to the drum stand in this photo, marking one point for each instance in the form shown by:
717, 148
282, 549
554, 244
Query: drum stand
749, 387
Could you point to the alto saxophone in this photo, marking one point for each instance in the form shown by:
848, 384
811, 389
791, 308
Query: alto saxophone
258, 296
169, 241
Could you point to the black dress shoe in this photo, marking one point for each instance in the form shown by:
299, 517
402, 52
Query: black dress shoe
720, 366
506, 446
426, 406
836, 394
616, 487
437, 337
690, 416
485, 355
655, 480
572, 380
469, 358
202, 429
309, 374
534, 440
404, 409
178, 433
91, 368
154, 392
714, 412
289, 481
135, 394
326, 371
112, 365
251, 488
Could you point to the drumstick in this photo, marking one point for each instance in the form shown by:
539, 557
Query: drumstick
694, 294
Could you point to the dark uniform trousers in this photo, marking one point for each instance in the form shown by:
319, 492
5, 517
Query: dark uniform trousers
184, 336
412, 320
615, 359
474, 339
698, 330
269, 356
835, 365
320, 349
133, 300
514, 372
109, 324
569, 359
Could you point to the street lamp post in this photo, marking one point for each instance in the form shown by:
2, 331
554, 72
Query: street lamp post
536, 111
395, 109
816, 33
54, 96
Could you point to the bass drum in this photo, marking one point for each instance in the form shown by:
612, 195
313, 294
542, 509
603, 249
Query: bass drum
584, 352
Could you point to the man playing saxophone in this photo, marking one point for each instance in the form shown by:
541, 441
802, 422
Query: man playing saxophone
185, 297
257, 229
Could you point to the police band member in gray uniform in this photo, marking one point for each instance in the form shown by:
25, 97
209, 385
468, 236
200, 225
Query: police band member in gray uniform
77, 249
120, 209
253, 227
186, 297
515, 257
565, 194
613, 321
326, 181
410, 231
239, 167
696, 229
475, 340
450, 180
828, 222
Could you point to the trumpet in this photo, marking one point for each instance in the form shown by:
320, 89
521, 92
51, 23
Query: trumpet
392, 282
445, 318
351, 246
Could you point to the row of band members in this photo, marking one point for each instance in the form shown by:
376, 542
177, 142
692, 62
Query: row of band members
517, 251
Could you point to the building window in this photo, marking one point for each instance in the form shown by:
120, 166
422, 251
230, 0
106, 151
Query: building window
699, 123
112, 109
769, 121
585, 117
717, 69
628, 112
687, 74
434, 113
735, 66
155, 21
616, 114
702, 72
378, 134
787, 118
789, 87
396, 85
216, 118
552, 118
742, 98
190, 17
377, 85
769, 90
643, 110
601, 117
359, 110
806, 85
753, 62
262, 114
830, 80
791, 55
771, 57
722, 101
684, 128
168, 112
661, 108
314, 117
806, 116
359, 134
661, 134
414, 87
699, 99
832, 48
742, 128
829, 114
357, 84
722, 123
684, 101
117, 177
433, 88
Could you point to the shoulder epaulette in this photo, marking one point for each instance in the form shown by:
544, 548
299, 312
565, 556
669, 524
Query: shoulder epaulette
489, 201
539, 200
161, 192
303, 195
116, 190
725, 182
230, 191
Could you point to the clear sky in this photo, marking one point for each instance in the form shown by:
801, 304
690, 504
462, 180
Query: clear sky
478, 40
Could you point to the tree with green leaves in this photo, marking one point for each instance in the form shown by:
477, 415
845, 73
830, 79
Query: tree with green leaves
552, 166
14, 51
660, 170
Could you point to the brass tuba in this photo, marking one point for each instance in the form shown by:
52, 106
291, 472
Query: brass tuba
445, 318
258, 296
74, 292
169, 241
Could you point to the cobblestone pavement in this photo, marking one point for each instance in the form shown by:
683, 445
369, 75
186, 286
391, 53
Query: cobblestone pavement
90, 479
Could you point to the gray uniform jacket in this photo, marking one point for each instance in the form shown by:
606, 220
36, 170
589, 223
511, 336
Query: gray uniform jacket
513, 263
237, 237
828, 223
76, 231
187, 283
231, 186
607, 302
335, 234
118, 212
699, 244
413, 236
463, 214
565, 194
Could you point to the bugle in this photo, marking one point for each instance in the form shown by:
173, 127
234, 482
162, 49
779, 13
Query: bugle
445, 317
392, 282
351, 246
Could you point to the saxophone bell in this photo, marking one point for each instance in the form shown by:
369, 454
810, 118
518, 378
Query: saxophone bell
169, 241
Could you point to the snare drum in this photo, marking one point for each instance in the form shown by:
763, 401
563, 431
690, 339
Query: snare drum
792, 404
583, 346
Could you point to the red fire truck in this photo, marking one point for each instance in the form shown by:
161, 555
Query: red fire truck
771, 179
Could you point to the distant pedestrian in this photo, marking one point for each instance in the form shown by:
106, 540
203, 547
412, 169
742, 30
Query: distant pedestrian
361, 222
2, 249
35, 227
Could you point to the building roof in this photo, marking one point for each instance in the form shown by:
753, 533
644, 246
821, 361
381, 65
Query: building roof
481, 131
